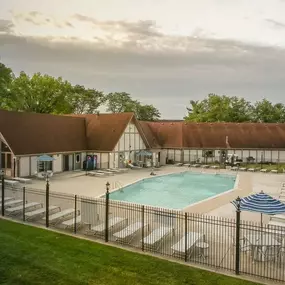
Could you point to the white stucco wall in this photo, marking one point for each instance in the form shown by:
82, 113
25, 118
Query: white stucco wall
34, 165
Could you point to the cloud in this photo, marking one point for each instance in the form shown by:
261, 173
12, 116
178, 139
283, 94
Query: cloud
6, 26
276, 24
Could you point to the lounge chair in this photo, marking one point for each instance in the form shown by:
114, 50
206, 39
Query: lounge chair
192, 238
23, 180
129, 232
61, 216
179, 164
39, 213
95, 173
156, 237
274, 171
251, 169
12, 203
71, 223
196, 165
6, 199
134, 166
234, 168
243, 169
12, 183
27, 206
113, 222
105, 172
205, 166
187, 164
113, 170
263, 170
214, 166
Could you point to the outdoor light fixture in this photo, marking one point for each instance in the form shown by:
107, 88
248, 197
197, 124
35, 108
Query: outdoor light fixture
107, 187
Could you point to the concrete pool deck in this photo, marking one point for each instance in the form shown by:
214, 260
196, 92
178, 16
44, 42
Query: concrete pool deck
78, 183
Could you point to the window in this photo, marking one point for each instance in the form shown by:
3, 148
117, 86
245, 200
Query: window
44, 166
77, 158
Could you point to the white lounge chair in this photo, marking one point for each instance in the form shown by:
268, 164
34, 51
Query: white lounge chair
11, 182
205, 166
234, 168
39, 213
6, 199
105, 172
263, 170
27, 206
214, 166
134, 166
95, 173
129, 232
71, 223
155, 238
113, 222
61, 216
23, 180
251, 169
192, 238
12, 203
113, 170
179, 164
242, 169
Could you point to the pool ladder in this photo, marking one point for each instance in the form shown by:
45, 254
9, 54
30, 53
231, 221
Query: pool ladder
118, 185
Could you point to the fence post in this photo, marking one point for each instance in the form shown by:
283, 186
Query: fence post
107, 213
75, 210
237, 269
3, 193
142, 227
24, 202
47, 202
186, 230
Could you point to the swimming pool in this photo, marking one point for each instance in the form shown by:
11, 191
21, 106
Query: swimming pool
175, 191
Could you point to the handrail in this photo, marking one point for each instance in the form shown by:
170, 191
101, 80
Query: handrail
118, 185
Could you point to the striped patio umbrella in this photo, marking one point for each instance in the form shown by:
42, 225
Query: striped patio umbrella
261, 203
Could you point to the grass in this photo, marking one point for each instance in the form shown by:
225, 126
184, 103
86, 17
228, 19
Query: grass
30, 256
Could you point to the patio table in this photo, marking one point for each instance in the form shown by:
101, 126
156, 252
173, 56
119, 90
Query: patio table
261, 243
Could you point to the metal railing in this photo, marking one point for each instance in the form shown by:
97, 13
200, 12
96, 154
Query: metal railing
243, 247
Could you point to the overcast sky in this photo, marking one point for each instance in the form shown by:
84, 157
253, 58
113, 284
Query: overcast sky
162, 52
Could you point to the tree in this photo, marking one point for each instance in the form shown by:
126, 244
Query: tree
217, 108
46, 94
122, 102
40, 94
266, 112
85, 101
6, 77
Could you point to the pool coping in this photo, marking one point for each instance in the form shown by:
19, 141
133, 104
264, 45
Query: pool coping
183, 171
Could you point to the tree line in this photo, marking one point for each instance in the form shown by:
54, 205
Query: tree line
216, 108
46, 94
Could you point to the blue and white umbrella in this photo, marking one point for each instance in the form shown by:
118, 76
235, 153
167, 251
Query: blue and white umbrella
260, 203
45, 158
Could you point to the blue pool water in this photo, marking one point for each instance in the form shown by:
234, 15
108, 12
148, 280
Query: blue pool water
175, 191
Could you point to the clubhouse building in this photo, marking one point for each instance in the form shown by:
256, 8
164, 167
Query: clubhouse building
112, 140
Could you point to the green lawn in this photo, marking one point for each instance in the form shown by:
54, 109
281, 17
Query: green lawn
34, 256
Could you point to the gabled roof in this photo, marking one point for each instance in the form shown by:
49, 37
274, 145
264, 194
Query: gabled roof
103, 131
214, 135
31, 133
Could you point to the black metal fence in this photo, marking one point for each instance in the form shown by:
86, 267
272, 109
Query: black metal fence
239, 246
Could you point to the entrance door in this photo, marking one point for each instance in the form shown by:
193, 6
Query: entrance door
66, 163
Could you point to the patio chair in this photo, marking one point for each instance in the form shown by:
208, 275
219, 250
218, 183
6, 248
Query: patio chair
264, 170
39, 213
129, 232
192, 238
113, 222
156, 237
28, 207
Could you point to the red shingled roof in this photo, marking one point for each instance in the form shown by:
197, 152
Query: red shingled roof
213, 135
31, 133
103, 131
